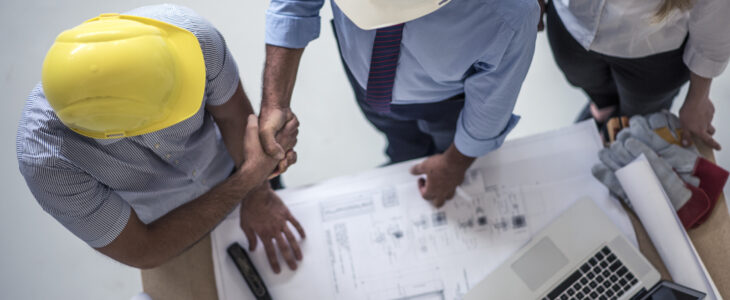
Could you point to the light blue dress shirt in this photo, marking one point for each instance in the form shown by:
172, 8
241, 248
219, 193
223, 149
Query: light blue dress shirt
482, 48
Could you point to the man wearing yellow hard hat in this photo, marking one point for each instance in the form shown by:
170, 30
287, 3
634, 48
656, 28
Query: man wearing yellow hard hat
137, 139
438, 77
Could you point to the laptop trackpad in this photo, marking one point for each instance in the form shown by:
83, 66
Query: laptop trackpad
540, 263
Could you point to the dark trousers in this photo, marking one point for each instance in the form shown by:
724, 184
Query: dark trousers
634, 85
413, 130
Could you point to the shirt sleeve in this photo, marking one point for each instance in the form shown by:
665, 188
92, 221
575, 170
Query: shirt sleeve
221, 71
491, 92
87, 208
292, 23
708, 48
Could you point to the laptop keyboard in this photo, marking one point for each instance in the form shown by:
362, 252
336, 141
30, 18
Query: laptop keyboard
603, 276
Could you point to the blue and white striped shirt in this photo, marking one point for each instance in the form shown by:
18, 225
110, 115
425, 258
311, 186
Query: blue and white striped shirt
90, 185
482, 48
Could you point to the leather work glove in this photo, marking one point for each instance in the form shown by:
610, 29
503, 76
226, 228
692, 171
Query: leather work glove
622, 152
661, 132
681, 159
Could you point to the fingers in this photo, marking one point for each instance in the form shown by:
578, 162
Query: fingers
428, 193
422, 187
284, 164
298, 226
439, 202
287, 136
291, 158
271, 255
418, 169
286, 252
274, 173
292, 243
251, 237
271, 123
707, 138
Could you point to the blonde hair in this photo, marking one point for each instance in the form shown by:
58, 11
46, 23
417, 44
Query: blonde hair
668, 6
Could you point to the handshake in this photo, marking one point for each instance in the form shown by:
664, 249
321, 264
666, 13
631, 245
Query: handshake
269, 142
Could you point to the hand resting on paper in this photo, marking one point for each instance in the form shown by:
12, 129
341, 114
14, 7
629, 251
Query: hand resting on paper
265, 216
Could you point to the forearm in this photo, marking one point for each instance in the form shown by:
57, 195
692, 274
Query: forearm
150, 245
280, 73
699, 87
231, 118
456, 159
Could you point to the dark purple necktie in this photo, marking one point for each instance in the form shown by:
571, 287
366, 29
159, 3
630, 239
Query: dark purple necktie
386, 49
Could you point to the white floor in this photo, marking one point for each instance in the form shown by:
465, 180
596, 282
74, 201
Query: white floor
41, 260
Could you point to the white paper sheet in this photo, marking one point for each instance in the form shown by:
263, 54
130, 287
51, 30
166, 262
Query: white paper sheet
371, 235
658, 216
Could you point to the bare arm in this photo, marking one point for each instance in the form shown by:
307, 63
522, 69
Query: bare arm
231, 120
697, 112
149, 245
262, 212
280, 73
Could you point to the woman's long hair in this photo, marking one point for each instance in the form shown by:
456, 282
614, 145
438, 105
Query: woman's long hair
669, 5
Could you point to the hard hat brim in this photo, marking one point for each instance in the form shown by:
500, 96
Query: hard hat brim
374, 14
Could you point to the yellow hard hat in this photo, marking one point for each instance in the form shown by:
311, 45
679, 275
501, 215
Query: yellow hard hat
118, 76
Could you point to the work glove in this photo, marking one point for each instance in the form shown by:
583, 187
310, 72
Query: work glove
656, 130
623, 151
662, 133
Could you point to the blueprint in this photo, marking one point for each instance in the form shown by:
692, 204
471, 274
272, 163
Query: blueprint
372, 236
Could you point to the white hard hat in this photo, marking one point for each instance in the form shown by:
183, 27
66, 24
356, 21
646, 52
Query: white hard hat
373, 14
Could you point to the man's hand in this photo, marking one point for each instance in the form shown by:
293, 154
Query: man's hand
263, 214
697, 112
272, 120
444, 172
257, 163
287, 139
280, 73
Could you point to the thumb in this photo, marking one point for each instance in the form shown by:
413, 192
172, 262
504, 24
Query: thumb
267, 134
418, 169
686, 138
422, 186
251, 139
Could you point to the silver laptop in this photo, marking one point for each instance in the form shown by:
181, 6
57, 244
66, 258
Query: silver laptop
581, 255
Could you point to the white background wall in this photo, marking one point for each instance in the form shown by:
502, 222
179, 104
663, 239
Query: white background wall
39, 259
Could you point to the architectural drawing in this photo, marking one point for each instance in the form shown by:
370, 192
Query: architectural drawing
372, 235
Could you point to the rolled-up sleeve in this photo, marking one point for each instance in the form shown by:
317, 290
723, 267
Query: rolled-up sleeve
491, 93
708, 48
292, 23
87, 208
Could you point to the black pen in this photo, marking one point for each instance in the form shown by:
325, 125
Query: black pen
247, 269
